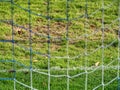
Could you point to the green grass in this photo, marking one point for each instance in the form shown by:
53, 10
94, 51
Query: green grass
41, 81
77, 30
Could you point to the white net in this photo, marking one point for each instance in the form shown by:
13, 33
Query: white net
59, 44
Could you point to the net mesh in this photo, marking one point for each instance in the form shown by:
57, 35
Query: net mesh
60, 44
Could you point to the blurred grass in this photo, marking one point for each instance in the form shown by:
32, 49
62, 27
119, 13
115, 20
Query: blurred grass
77, 29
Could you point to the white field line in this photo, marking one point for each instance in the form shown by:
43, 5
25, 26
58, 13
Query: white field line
64, 69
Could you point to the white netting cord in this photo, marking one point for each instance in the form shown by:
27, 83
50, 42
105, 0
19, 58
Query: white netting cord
85, 54
102, 82
67, 43
86, 42
48, 42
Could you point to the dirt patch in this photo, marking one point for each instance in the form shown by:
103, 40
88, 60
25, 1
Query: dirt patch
55, 29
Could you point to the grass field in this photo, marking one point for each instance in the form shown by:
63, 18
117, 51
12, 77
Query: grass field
78, 43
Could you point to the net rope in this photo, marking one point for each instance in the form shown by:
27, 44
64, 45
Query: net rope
69, 58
